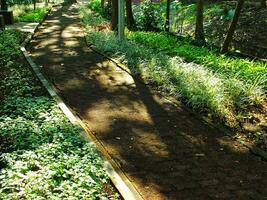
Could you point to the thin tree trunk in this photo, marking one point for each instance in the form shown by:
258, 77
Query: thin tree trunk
129, 14
34, 4
167, 21
4, 5
199, 31
114, 15
232, 27
263, 4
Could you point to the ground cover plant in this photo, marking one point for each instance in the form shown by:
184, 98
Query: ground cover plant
31, 15
225, 87
247, 70
42, 155
25, 12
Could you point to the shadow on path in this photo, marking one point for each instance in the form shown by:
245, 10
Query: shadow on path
162, 148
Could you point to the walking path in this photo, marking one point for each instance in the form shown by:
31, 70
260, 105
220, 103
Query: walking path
23, 26
164, 150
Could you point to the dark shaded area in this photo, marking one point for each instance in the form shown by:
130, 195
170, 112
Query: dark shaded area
250, 36
165, 150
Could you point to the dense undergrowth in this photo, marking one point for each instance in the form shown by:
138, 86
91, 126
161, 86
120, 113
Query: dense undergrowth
226, 87
28, 14
42, 155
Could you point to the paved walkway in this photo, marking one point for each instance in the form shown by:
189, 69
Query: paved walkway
165, 150
23, 26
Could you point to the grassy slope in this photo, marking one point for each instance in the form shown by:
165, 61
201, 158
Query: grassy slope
225, 86
42, 155
247, 70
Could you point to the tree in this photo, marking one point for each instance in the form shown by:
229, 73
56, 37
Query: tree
114, 14
129, 14
34, 4
232, 27
199, 30
167, 21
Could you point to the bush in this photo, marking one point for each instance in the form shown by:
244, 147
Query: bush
148, 18
32, 15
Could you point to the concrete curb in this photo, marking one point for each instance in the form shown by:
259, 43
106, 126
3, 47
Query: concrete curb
118, 178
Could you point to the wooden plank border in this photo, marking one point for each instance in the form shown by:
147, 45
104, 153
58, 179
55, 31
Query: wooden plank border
116, 175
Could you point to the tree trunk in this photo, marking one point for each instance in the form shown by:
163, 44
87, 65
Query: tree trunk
199, 31
232, 27
34, 4
263, 4
129, 14
167, 21
4, 5
114, 22
102, 3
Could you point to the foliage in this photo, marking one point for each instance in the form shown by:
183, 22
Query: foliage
252, 72
8, 39
95, 5
201, 86
42, 155
148, 16
181, 15
92, 18
32, 15
14, 2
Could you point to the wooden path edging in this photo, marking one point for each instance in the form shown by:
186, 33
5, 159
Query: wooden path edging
116, 175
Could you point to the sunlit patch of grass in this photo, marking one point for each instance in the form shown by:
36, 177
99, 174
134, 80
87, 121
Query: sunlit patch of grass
30, 15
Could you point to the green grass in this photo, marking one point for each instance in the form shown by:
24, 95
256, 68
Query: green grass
31, 15
42, 155
253, 72
220, 88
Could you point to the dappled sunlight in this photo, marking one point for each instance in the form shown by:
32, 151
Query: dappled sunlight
232, 146
47, 42
24, 26
163, 147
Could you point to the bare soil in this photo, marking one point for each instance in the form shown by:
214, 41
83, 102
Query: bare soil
162, 147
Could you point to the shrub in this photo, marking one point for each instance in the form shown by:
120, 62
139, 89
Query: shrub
148, 18
32, 15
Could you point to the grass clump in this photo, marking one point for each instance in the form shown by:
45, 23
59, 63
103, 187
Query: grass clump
31, 15
42, 155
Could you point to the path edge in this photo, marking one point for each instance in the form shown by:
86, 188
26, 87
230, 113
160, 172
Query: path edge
124, 186
254, 150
